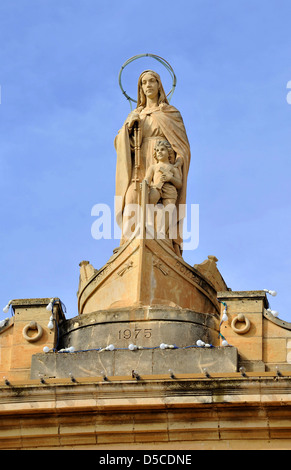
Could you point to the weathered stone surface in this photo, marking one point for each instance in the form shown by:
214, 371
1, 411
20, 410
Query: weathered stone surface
264, 346
210, 271
146, 272
145, 362
144, 326
16, 347
189, 412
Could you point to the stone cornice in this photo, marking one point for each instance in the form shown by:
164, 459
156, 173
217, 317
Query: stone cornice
239, 295
160, 392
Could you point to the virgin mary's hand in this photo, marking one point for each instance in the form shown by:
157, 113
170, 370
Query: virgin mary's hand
132, 119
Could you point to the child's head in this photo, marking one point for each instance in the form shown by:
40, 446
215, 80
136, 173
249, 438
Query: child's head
166, 144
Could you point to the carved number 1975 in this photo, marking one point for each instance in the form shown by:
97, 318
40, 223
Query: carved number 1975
138, 332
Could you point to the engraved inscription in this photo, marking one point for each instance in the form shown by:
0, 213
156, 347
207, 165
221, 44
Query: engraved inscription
103, 273
135, 334
191, 275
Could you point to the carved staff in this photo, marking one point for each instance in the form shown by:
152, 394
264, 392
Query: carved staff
137, 144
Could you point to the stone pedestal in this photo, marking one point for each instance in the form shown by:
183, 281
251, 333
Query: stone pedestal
146, 272
143, 326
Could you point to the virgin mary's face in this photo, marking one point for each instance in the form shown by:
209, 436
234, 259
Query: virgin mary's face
150, 86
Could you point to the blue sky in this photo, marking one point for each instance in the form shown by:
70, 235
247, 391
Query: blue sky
61, 108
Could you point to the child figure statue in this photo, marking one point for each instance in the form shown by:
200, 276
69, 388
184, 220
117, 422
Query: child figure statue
164, 179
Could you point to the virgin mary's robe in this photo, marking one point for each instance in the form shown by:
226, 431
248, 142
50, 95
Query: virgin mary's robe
158, 123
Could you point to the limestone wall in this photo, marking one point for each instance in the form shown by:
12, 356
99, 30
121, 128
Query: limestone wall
266, 344
224, 411
17, 337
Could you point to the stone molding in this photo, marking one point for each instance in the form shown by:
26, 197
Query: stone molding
223, 411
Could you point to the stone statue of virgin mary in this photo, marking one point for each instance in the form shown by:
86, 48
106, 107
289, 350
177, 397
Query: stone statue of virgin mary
157, 120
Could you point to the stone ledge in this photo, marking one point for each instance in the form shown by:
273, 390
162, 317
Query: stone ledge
142, 313
145, 362
32, 302
248, 294
18, 304
277, 321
